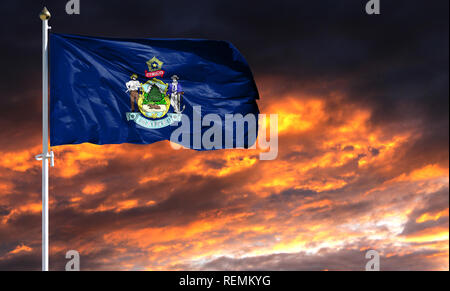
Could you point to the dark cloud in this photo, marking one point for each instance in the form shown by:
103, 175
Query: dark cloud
326, 259
21, 262
432, 204
396, 62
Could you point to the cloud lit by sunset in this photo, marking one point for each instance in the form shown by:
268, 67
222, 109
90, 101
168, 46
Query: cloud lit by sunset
336, 188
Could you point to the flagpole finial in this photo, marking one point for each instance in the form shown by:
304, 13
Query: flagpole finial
45, 14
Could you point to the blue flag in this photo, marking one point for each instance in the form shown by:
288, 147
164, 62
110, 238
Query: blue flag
112, 91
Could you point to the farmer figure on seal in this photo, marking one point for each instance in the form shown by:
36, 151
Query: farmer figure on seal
133, 87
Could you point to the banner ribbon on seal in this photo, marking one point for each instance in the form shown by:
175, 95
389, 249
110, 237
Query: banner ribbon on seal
153, 124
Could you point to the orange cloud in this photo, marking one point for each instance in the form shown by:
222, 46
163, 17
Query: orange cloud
432, 216
21, 161
429, 235
93, 188
425, 173
20, 249
297, 115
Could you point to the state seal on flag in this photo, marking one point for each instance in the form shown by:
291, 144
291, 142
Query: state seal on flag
154, 98
153, 102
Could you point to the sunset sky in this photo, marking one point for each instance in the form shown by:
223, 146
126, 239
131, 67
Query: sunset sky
363, 157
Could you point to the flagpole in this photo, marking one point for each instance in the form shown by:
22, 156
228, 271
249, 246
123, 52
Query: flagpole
46, 155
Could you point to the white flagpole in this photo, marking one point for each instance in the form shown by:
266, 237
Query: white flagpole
46, 155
